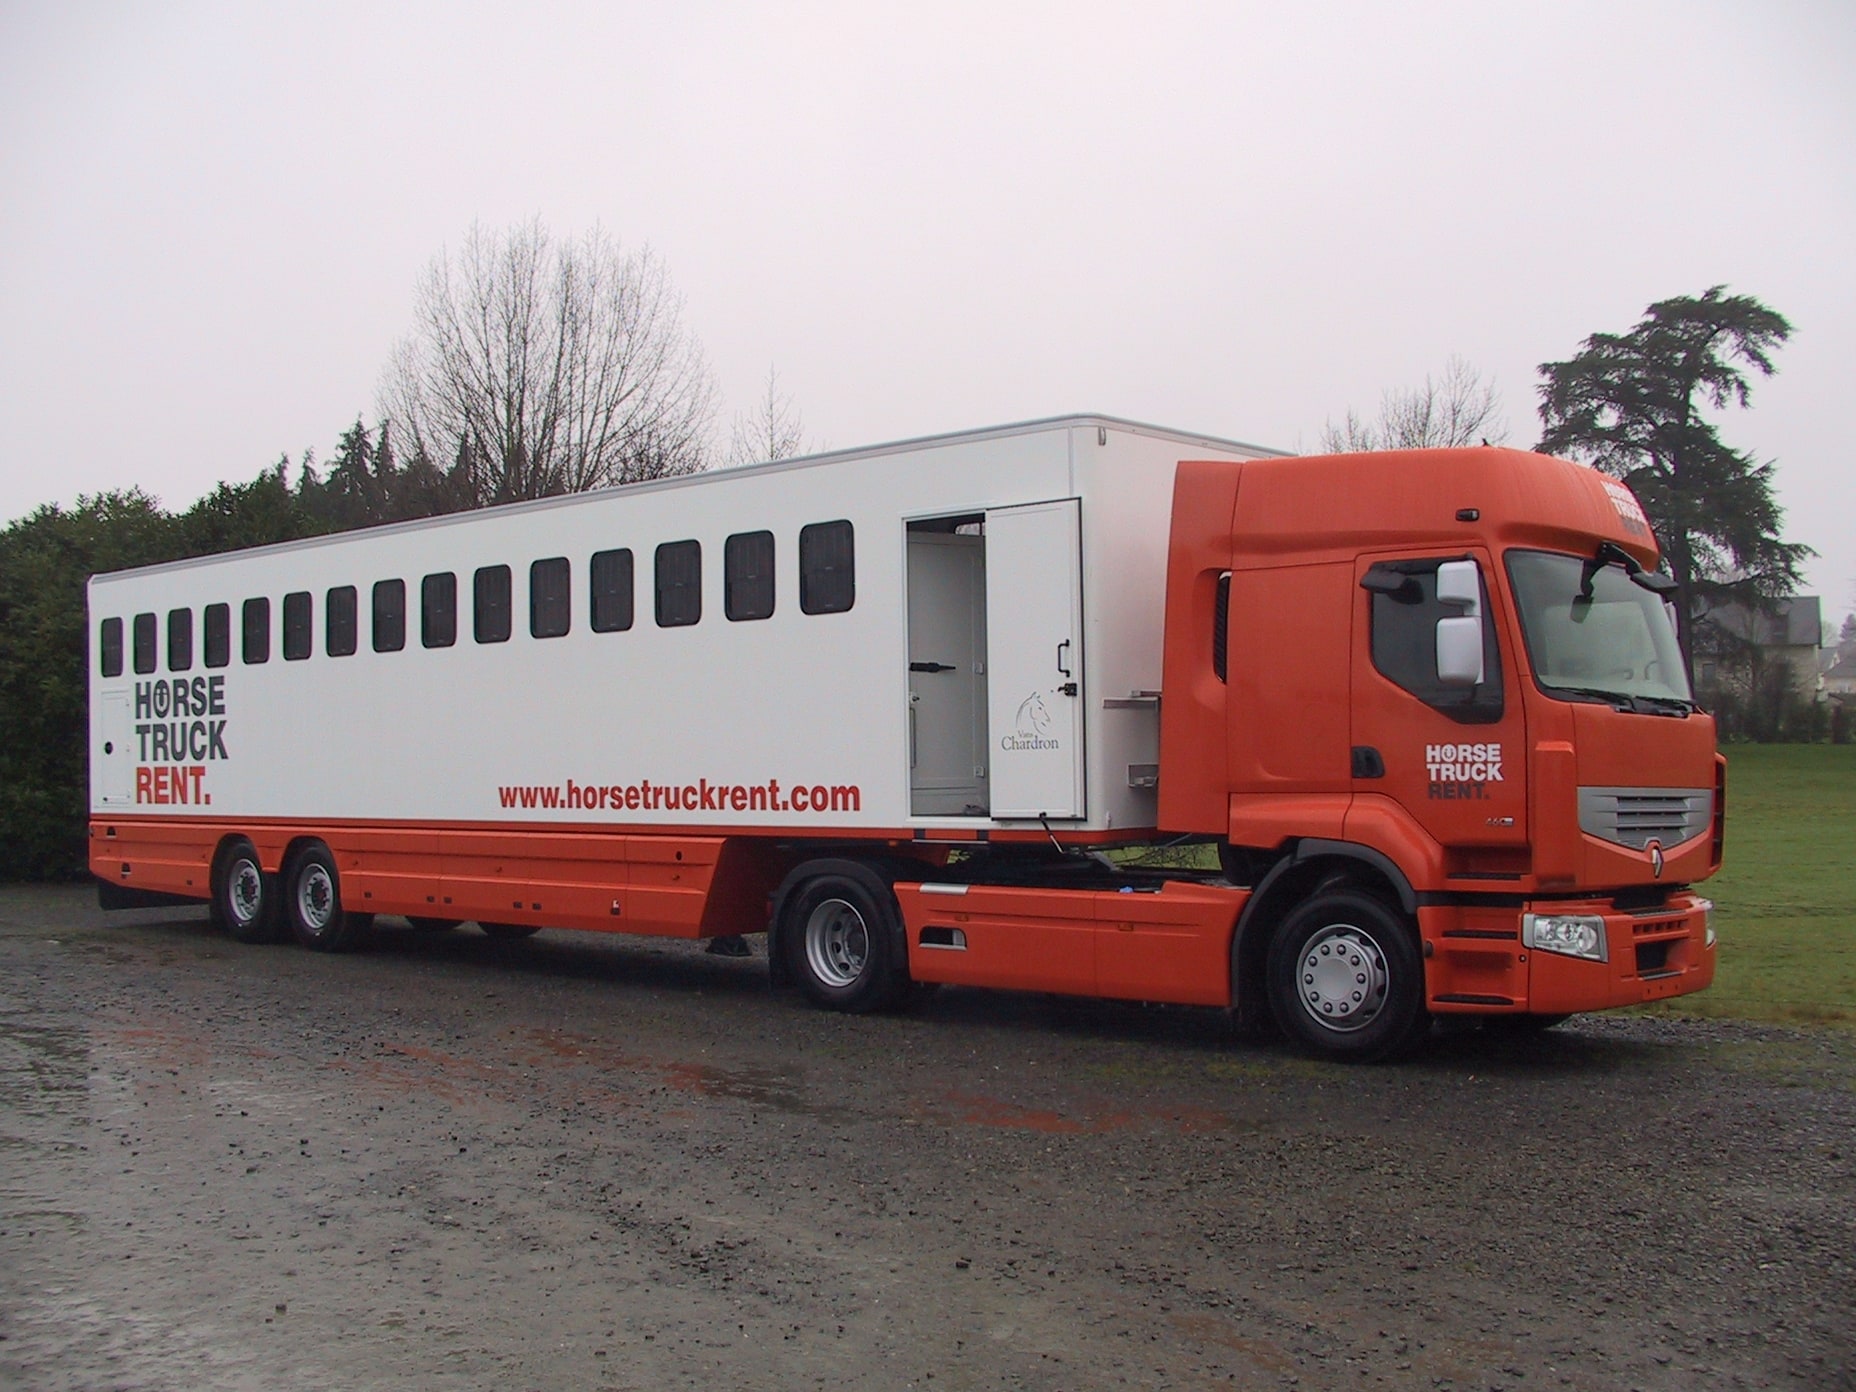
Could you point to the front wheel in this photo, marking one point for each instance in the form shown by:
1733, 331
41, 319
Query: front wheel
841, 944
1346, 979
313, 903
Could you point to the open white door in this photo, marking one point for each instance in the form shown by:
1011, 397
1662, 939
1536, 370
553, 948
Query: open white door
1034, 639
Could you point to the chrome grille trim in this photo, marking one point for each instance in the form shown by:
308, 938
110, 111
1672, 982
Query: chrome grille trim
1635, 817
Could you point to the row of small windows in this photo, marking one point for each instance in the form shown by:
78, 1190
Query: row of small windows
827, 585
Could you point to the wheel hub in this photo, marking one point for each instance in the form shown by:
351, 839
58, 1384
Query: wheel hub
1341, 978
315, 897
837, 943
246, 891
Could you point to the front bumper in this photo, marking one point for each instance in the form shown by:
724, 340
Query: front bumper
1477, 963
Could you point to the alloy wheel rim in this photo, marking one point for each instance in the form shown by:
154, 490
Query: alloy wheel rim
837, 943
1341, 979
315, 897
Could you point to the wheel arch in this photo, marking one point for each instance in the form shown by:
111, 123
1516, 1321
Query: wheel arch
1312, 864
222, 852
296, 845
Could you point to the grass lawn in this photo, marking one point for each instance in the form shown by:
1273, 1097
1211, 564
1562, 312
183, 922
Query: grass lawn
1785, 901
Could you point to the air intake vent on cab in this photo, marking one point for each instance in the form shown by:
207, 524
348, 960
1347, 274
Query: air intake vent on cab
1635, 817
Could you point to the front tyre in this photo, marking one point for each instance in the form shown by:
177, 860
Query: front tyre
1346, 979
244, 897
841, 944
313, 903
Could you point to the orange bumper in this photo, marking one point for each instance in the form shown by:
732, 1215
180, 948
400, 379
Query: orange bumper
1477, 959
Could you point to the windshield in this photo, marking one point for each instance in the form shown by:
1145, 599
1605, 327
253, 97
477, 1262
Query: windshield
1593, 631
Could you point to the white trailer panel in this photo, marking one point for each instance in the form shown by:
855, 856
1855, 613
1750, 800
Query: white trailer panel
723, 723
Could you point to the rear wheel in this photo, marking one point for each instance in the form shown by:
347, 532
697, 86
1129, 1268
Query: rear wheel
1346, 979
244, 897
313, 903
841, 940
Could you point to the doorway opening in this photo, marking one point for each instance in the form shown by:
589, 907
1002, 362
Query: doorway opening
947, 667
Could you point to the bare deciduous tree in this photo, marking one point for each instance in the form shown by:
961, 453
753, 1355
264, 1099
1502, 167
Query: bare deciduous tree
1458, 409
552, 367
771, 430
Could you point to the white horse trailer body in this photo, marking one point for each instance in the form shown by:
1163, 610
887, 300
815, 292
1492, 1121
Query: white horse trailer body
988, 652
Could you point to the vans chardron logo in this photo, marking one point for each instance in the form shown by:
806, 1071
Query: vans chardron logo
1460, 771
1030, 727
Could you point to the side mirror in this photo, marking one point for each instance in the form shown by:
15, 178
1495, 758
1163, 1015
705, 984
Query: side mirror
1459, 636
1459, 652
1460, 583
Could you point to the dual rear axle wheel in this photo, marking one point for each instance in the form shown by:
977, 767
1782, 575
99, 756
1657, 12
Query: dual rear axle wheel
303, 901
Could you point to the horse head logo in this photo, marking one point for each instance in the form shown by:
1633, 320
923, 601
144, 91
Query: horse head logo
1034, 715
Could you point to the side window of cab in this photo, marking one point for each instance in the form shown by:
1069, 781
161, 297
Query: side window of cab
1424, 635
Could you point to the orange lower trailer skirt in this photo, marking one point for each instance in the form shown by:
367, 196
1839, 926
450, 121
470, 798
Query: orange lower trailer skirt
1172, 944
677, 886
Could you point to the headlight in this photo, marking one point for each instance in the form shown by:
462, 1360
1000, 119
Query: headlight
1707, 919
1570, 935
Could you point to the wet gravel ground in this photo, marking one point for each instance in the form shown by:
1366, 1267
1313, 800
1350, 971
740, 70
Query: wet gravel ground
578, 1162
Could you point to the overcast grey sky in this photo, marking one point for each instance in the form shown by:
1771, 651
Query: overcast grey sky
1237, 218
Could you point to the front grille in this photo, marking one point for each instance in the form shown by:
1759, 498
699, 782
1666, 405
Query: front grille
1637, 816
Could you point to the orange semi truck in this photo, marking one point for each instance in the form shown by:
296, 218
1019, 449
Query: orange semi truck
1428, 707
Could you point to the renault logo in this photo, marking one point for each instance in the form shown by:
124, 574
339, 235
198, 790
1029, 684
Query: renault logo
1655, 848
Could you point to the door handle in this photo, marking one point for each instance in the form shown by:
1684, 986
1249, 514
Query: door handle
931, 666
1063, 670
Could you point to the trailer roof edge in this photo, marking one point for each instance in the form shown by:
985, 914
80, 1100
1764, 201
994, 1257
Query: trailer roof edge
706, 476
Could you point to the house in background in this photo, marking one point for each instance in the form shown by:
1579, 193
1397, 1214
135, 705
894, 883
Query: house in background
1739, 649
1839, 679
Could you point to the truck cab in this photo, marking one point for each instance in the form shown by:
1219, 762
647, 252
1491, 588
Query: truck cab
1437, 716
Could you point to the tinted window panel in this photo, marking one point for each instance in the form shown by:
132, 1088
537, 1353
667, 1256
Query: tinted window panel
679, 584
438, 610
1405, 645
255, 630
343, 624
109, 645
389, 615
297, 620
180, 640
550, 601
827, 568
490, 595
747, 576
612, 591
144, 642
218, 635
